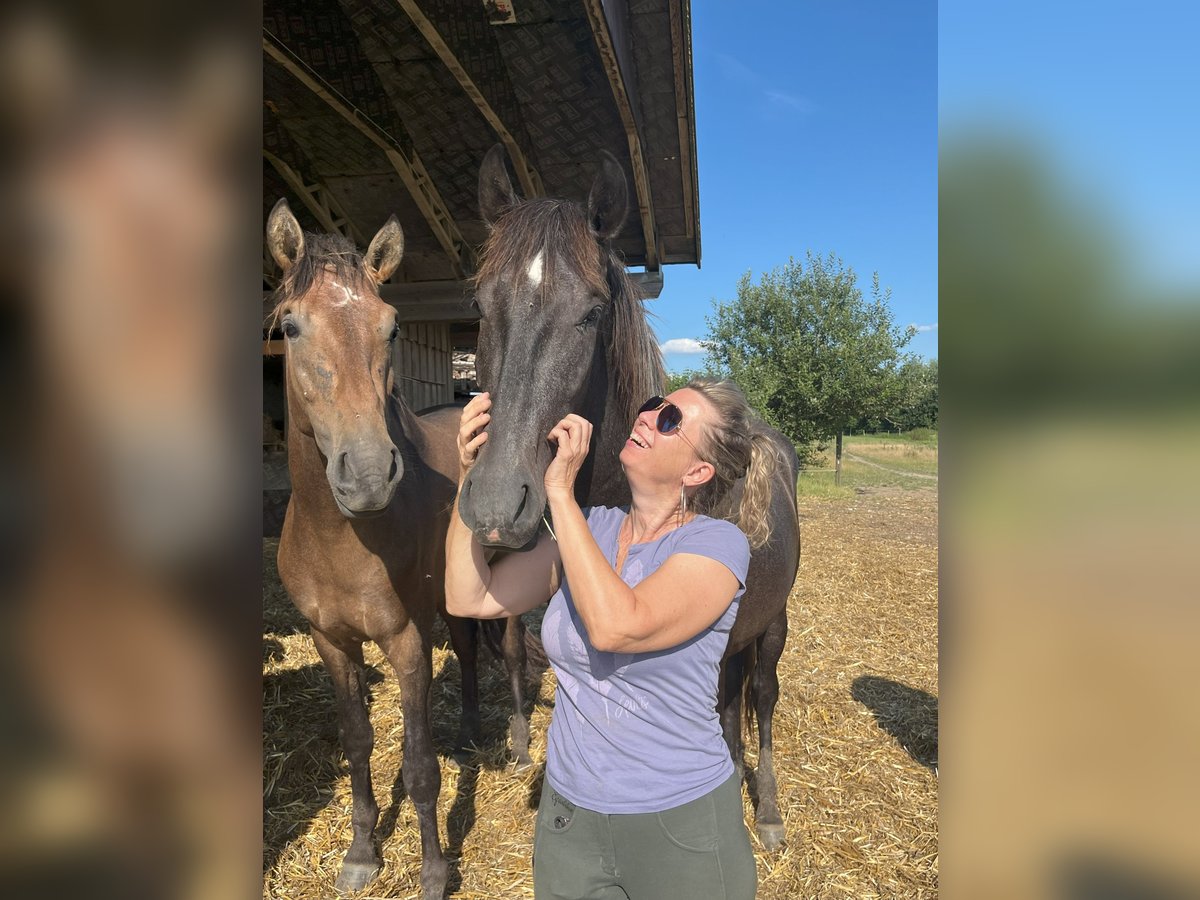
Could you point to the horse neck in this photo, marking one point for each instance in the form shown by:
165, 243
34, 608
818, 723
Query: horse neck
606, 485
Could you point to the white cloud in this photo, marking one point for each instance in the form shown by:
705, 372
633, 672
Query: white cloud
932, 327
800, 104
681, 345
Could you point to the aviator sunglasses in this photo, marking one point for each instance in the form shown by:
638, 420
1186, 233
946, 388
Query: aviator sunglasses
670, 418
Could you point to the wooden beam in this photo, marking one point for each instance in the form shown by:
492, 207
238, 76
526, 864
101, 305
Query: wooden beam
685, 115
531, 181
407, 164
641, 179
319, 201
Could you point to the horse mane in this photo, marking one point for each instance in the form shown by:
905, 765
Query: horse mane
560, 227
633, 354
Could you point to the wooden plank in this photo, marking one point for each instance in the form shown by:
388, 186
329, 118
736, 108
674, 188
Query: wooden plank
641, 178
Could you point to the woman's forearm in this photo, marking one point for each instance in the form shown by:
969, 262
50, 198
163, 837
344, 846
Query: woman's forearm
467, 571
604, 601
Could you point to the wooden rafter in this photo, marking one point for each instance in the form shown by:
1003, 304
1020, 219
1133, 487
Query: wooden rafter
641, 178
531, 181
318, 200
407, 164
685, 114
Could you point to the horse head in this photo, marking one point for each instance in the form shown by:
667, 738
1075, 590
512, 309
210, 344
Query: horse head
545, 289
339, 335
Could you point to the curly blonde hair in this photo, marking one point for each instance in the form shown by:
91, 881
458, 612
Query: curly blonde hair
737, 447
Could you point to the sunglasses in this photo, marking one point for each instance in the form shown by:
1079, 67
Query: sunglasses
670, 418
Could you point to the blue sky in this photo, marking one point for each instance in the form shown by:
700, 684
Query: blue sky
816, 129
1108, 99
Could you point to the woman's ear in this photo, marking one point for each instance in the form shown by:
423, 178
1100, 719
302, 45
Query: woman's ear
699, 473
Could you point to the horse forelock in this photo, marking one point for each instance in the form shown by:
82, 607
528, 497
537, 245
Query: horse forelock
323, 253
554, 230
558, 230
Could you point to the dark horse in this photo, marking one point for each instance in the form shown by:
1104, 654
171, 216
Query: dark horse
362, 549
563, 330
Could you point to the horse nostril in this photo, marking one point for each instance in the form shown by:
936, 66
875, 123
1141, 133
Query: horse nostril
340, 468
395, 465
521, 505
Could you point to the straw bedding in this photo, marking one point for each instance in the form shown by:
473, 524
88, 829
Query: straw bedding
855, 734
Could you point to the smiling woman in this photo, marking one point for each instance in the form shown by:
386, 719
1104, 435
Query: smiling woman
641, 794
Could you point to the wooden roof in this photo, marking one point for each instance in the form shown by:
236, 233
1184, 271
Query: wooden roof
376, 107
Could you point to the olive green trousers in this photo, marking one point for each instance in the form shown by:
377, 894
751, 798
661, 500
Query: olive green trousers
697, 851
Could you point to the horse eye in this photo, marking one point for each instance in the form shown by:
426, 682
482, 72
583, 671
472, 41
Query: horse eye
290, 329
592, 317
395, 333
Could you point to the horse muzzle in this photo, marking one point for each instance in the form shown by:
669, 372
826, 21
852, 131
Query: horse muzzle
364, 480
504, 515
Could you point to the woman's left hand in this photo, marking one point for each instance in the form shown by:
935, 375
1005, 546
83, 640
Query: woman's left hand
573, 435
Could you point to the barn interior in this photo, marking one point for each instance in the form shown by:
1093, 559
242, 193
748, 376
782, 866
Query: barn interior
381, 107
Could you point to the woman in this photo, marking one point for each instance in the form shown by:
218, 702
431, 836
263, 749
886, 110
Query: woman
640, 798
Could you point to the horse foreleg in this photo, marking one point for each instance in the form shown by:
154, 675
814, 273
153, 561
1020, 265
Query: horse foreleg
464, 638
411, 655
514, 663
730, 708
766, 693
345, 667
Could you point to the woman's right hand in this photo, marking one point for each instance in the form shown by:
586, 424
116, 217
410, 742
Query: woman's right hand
471, 435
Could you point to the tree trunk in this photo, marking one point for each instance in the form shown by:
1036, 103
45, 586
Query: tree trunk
837, 466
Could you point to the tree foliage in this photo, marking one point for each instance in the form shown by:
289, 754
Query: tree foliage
812, 354
917, 401
677, 380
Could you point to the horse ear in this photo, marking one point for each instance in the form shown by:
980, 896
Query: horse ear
285, 240
386, 251
608, 201
496, 193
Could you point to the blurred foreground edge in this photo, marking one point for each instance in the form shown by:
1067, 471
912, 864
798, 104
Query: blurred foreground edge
130, 708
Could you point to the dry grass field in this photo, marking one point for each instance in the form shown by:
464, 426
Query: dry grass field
855, 730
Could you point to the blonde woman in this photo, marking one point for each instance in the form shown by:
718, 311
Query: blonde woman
640, 798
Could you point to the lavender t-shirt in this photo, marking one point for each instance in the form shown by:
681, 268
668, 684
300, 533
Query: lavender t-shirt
638, 732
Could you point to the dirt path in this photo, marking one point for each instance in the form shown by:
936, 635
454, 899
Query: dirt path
857, 458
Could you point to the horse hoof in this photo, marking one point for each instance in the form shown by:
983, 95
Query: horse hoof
433, 880
771, 835
522, 765
355, 877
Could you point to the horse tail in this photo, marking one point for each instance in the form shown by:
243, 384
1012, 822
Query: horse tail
749, 695
492, 631
536, 660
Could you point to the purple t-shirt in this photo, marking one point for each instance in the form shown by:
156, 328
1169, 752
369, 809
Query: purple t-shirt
639, 732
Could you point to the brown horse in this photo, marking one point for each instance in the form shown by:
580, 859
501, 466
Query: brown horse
361, 554
563, 330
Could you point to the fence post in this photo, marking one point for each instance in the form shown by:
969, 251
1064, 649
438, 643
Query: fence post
837, 466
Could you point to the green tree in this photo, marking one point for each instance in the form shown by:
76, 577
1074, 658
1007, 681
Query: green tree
811, 353
676, 380
918, 403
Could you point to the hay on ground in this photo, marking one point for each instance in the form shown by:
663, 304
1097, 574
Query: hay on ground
855, 734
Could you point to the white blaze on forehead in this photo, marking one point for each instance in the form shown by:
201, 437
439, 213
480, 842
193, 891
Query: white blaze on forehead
535, 269
347, 295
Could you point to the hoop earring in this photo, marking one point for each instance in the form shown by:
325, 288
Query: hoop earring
682, 503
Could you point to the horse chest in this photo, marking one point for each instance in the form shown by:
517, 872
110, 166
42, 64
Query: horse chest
344, 590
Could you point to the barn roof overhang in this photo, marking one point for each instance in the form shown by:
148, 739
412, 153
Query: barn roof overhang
376, 107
